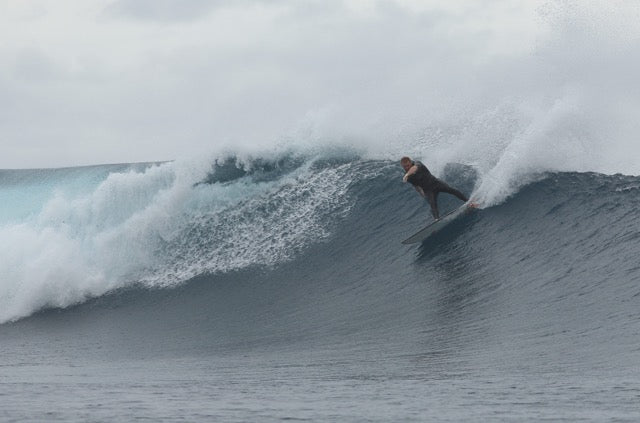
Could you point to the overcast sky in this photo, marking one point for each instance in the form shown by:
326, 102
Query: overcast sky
103, 81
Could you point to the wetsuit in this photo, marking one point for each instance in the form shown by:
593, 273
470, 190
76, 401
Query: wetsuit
431, 187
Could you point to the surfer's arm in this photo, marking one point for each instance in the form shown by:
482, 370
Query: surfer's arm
420, 191
410, 172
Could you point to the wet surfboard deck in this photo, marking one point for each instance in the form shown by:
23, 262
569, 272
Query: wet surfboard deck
434, 227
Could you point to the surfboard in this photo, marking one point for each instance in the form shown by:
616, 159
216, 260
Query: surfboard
434, 227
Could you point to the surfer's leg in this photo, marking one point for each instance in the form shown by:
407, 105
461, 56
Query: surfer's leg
432, 198
442, 187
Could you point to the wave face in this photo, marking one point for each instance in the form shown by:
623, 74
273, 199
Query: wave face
559, 255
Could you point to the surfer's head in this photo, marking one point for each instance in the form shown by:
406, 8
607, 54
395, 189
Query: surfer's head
406, 163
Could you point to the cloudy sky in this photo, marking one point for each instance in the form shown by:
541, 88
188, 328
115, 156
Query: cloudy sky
103, 81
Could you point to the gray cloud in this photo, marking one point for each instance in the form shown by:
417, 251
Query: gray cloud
78, 88
161, 10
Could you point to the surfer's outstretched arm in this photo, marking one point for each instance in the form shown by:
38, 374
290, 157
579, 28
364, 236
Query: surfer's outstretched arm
410, 172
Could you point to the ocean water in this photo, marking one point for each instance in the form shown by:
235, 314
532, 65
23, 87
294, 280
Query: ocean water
271, 289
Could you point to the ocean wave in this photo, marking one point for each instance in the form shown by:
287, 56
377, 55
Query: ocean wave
159, 225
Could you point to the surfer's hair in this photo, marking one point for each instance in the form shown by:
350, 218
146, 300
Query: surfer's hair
406, 160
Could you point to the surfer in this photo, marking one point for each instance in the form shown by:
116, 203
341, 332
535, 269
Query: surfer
427, 185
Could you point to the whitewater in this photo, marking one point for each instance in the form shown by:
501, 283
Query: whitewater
266, 281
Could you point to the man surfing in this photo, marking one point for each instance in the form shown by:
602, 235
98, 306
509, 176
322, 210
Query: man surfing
427, 185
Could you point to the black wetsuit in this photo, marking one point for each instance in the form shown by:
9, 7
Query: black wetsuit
432, 186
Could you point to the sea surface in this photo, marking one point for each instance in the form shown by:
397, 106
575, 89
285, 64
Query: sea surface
276, 288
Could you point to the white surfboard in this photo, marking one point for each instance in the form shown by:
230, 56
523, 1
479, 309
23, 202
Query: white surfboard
434, 227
